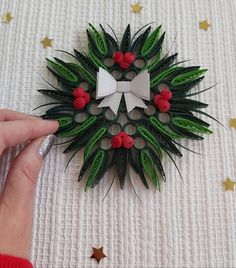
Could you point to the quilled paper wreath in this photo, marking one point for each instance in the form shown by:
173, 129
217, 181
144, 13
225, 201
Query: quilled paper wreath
125, 104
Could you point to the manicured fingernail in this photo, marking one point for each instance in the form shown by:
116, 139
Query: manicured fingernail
46, 145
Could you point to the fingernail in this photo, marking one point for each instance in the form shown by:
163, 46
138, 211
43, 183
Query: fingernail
37, 116
46, 145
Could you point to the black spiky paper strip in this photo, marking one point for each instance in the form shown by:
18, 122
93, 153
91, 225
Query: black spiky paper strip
92, 128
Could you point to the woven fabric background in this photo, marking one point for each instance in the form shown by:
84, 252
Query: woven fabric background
190, 223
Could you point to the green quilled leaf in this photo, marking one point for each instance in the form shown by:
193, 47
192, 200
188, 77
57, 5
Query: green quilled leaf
190, 125
185, 133
104, 168
149, 167
98, 40
164, 141
96, 166
110, 42
138, 43
65, 107
93, 45
125, 42
147, 135
195, 119
80, 128
164, 129
181, 90
187, 77
186, 104
158, 66
93, 141
151, 41
86, 164
97, 62
157, 162
113, 44
82, 139
84, 73
56, 95
63, 71
121, 165
64, 120
160, 77
134, 160
85, 62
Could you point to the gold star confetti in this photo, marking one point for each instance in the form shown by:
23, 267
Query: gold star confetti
136, 8
98, 254
7, 17
229, 184
204, 25
232, 122
46, 42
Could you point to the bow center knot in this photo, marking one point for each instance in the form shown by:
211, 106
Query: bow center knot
123, 86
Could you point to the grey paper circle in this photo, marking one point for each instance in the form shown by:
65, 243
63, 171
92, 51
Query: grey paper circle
114, 129
139, 143
150, 110
135, 114
105, 144
130, 129
80, 117
164, 117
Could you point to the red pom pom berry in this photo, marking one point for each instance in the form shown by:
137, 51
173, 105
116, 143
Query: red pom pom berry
78, 92
116, 142
124, 64
157, 99
86, 97
129, 57
122, 134
128, 142
166, 94
79, 103
118, 56
164, 106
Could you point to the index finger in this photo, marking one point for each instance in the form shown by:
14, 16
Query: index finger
18, 132
9, 115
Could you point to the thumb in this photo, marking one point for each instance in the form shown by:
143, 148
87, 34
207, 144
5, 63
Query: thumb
21, 181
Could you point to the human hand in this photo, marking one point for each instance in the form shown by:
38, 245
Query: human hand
17, 197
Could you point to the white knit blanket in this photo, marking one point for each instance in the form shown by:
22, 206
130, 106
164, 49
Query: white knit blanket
190, 223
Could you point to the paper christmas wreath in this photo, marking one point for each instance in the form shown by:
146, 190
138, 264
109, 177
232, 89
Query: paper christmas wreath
125, 104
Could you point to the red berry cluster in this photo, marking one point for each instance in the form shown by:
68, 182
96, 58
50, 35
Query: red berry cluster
122, 139
124, 60
162, 100
81, 98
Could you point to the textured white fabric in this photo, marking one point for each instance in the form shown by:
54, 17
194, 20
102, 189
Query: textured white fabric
191, 223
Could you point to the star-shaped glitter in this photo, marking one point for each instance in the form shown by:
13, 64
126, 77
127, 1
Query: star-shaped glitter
204, 25
136, 8
98, 254
229, 184
7, 17
232, 122
46, 42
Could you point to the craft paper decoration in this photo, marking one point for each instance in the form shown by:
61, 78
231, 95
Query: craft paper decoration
126, 103
7, 17
136, 8
229, 184
98, 254
232, 122
112, 91
204, 25
46, 42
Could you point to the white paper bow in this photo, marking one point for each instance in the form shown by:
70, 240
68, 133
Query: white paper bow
112, 90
